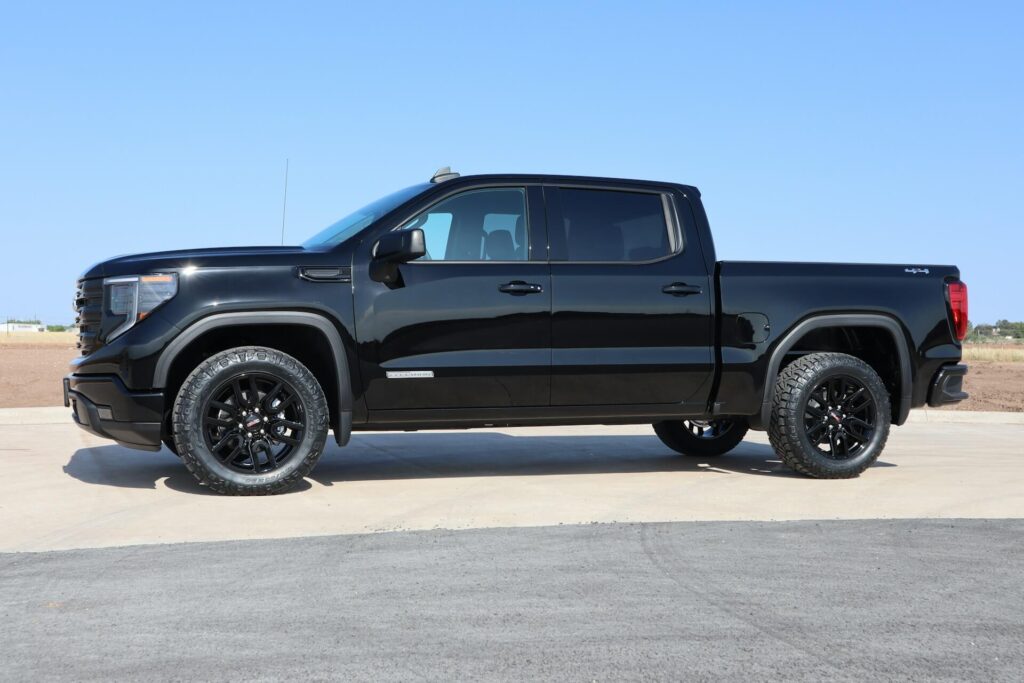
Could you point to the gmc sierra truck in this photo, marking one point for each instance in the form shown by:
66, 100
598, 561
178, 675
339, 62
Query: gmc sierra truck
507, 300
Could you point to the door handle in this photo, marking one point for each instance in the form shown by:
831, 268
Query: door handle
519, 288
681, 289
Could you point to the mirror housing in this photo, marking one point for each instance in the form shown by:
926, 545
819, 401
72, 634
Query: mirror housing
393, 249
400, 246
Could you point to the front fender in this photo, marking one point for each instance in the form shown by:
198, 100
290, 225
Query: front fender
305, 318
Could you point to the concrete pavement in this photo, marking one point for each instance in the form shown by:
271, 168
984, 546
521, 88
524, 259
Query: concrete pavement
64, 488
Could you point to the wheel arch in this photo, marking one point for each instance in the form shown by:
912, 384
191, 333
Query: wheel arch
801, 330
338, 379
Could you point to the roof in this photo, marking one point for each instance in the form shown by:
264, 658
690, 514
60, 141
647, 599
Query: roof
551, 178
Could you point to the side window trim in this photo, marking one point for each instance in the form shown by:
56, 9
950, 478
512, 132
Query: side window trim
536, 226
558, 249
528, 215
675, 237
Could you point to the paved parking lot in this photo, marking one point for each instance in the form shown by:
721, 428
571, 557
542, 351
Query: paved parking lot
580, 553
64, 488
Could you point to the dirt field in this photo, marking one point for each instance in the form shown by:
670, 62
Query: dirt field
30, 374
31, 371
994, 386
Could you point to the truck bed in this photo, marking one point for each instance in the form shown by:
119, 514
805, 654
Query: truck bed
760, 304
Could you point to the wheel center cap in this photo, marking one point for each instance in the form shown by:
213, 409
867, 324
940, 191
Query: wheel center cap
253, 422
836, 417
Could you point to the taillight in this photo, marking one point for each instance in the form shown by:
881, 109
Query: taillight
958, 307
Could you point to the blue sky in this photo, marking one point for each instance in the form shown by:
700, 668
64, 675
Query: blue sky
875, 132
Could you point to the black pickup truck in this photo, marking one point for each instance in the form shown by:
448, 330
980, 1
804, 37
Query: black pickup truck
507, 300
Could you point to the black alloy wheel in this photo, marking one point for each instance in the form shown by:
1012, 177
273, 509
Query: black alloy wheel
839, 418
252, 422
702, 438
831, 414
709, 429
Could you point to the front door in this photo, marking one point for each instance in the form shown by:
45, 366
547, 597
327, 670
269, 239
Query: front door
468, 326
631, 301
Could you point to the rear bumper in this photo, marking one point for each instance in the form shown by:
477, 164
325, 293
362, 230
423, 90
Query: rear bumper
103, 406
947, 386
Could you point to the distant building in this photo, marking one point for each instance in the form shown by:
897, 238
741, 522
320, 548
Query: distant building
6, 328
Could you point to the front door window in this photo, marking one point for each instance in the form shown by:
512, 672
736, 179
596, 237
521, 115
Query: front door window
479, 225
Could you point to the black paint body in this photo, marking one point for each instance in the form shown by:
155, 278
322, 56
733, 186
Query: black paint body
599, 342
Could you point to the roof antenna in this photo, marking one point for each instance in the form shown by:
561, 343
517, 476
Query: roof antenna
284, 208
442, 174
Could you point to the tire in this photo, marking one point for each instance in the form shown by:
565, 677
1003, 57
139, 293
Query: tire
250, 421
821, 397
702, 438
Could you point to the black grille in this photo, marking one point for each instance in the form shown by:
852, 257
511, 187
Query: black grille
89, 307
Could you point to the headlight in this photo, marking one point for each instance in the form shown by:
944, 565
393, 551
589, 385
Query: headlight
127, 300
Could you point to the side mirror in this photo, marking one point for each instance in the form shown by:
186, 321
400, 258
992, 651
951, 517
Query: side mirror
401, 246
393, 249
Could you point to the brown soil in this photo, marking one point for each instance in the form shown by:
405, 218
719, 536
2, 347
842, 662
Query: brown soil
30, 375
993, 386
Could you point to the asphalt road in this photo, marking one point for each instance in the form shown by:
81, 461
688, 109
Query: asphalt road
841, 600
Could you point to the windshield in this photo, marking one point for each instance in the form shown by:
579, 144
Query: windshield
336, 233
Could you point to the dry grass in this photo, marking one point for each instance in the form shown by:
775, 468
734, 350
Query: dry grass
1003, 353
23, 339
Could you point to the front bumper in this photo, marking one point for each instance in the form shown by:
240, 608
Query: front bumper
947, 386
102, 405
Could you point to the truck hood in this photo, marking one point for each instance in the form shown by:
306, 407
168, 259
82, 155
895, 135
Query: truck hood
221, 257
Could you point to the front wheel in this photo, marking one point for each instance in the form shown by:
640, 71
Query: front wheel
702, 438
250, 421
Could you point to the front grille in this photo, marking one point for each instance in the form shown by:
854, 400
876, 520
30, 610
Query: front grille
89, 307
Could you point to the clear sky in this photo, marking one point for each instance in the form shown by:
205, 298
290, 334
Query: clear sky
888, 132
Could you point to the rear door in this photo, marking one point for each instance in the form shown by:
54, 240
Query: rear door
469, 324
631, 299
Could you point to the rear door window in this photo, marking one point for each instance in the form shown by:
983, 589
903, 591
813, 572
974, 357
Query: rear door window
610, 226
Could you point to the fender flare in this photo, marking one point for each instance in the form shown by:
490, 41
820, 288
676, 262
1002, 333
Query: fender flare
843, 320
319, 322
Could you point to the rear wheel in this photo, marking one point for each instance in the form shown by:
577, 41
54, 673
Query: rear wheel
250, 421
703, 438
830, 416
